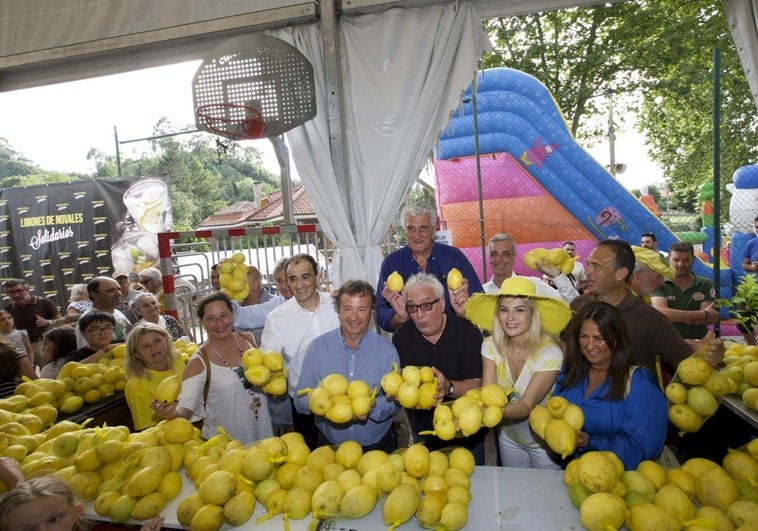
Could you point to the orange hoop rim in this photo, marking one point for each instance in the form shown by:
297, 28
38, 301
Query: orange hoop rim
253, 125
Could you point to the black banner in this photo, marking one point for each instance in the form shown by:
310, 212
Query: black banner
57, 235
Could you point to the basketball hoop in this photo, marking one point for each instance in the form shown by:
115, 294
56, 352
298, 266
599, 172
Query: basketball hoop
232, 120
253, 86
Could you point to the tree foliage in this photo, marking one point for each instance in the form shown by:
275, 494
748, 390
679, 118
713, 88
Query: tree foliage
655, 57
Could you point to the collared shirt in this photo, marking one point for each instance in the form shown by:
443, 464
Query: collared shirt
442, 259
329, 354
252, 317
457, 354
701, 290
25, 317
650, 332
290, 328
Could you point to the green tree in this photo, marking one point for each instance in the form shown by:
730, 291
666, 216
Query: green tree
655, 56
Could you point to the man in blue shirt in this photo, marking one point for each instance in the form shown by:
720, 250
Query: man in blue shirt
357, 353
422, 255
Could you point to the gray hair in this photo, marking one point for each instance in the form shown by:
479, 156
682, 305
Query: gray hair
134, 303
502, 237
154, 274
419, 209
79, 292
423, 280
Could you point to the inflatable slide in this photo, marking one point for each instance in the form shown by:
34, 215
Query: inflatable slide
538, 184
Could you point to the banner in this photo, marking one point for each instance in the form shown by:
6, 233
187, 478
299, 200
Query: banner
58, 235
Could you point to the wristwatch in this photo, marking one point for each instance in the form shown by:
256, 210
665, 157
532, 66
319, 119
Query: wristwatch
451, 389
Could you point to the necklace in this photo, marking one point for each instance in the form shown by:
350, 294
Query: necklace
219, 356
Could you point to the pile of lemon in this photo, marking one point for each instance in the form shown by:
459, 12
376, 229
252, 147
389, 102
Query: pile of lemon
287, 479
693, 393
340, 400
185, 348
414, 387
741, 371
233, 277
700, 494
557, 423
466, 415
265, 370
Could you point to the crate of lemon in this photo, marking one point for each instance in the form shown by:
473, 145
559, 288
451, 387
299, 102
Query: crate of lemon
700, 494
340, 400
741, 371
693, 393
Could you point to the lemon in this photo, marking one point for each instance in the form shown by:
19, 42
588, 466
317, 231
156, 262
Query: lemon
539, 417
723, 522
702, 401
684, 417
683, 480
85, 485
596, 472
400, 505
647, 515
601, 511
557, 405
697, 466
675, 500
335, 383
717, 384
391, 383
743, 513
494, 395
395, 282
676, 393
492, 416
358, 502
309, 477
209, 517
459, 494
348, 454
574, 416
340, 413
426, 393
461, 459
694, 371
170, 485
121, 509
454, 279
361, 405
416, 460
454, 516
560, 437
348, 479
444, 429
239, 508
408, 394
371, 460
636, 481
412, 375
218, 487
470, 419
325, 502
716, 488
149, 506
443, 412
654, 472
104, 502
320, 401
429, 511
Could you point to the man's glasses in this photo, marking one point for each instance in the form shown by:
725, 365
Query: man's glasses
426, 306
100, 331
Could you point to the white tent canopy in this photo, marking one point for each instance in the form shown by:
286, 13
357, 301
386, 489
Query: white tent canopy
388, 73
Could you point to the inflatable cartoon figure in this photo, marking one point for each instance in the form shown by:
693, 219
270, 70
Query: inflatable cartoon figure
538, 153
743, 209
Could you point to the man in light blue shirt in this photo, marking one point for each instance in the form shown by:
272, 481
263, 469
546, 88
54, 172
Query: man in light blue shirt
358, 353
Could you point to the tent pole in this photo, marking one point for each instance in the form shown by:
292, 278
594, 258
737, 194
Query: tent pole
717, 178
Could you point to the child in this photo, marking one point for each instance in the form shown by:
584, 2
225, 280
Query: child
42, 502
57, 344
18, 337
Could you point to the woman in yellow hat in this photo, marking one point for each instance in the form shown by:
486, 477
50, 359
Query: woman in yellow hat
522, 354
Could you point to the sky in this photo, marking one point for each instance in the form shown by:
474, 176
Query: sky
55, 126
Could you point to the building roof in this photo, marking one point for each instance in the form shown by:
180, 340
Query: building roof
249, 213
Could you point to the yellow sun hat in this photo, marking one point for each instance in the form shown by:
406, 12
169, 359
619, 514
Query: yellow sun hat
654, 260
480, 308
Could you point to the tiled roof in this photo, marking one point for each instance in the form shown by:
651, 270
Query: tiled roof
244, 212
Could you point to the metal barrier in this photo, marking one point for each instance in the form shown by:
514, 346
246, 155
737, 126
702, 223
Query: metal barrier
186, 259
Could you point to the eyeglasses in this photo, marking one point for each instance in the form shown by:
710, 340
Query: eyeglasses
426, 306
97, 331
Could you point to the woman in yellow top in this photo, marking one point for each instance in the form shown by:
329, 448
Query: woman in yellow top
150, 358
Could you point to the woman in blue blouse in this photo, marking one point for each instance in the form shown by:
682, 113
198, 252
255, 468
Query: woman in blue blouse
624, 409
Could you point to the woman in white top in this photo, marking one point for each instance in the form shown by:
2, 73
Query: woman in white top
231, 402
145, 306
79, 301
522, 355
19, 338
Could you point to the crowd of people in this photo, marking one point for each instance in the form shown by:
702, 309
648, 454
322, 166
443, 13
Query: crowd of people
592, 336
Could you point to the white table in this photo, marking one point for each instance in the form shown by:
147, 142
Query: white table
510, 499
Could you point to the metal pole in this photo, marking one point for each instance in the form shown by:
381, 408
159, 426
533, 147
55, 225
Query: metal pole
118, 152
717, 178
479, 177
611, 136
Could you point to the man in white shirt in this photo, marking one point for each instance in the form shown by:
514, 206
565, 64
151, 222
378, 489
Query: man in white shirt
105, 294
291, 327
502, 253
578, 276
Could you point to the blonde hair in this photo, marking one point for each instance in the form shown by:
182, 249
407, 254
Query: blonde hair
534, 338
134, 366
33, 489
